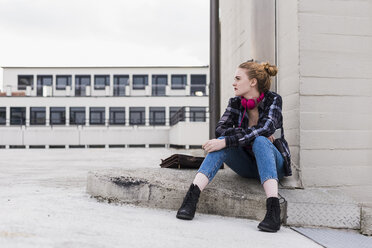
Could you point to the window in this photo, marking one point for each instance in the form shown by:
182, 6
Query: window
17, 116
198, 83
101, 81
2, 116
120, 81
139, 82
197, 113
77, 115
179, 82
97, 116
81, 81
43, 81
137, 115
159, 83
57, 116
157, 115
62, 81
24, 81
37, 116
176, 114
117, 116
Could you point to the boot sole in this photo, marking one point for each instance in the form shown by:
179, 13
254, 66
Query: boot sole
184, 217
267, 229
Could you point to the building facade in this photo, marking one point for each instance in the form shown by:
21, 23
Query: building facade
68, 107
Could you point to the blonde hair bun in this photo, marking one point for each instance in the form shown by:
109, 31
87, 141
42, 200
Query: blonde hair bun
272, 70
262, 72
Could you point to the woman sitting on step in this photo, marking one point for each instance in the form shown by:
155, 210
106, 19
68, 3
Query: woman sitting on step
245, 142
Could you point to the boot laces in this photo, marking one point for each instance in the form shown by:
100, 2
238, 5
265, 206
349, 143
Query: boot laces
269, 213
270, 209
189, 199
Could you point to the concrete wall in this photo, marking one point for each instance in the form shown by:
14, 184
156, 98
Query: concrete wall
244, 36
335, 57
324, 50
288, 79
248, 31
235, 43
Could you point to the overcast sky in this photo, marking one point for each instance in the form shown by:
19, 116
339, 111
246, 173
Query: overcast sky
103, 33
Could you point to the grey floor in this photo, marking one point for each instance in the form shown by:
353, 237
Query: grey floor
336, 238
43, 203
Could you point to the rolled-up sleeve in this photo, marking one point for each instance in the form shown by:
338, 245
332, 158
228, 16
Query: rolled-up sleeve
266, 126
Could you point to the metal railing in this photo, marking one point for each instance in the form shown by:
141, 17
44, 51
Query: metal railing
180, 115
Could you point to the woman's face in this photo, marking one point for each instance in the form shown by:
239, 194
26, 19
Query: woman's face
242, 84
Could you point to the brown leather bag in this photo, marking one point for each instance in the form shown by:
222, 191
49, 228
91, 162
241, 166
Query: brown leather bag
182, 161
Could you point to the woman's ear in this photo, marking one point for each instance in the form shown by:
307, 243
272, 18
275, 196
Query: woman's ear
253, 82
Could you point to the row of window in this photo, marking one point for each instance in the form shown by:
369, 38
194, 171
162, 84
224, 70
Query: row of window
97, 115
197, 83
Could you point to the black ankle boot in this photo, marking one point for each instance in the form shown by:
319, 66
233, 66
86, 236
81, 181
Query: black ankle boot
188, 207
271, 222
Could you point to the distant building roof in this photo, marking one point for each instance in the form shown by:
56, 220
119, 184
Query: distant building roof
163, 66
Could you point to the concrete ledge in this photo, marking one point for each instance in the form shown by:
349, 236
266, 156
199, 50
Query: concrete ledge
227, 195
366, 223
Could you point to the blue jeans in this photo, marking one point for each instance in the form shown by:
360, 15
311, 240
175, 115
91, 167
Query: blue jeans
268, 163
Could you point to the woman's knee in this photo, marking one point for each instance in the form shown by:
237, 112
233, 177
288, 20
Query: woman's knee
259, 141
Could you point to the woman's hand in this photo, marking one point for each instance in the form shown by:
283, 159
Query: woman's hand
214, 145
271, 138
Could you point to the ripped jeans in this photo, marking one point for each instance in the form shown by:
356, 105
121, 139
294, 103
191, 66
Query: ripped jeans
268, 164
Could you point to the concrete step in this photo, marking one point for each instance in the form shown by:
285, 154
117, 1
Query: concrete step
228, 195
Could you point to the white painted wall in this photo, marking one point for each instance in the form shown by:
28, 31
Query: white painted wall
191, 133
183, 134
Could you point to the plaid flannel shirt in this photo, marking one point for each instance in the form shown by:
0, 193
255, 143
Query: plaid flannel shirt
270, 119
